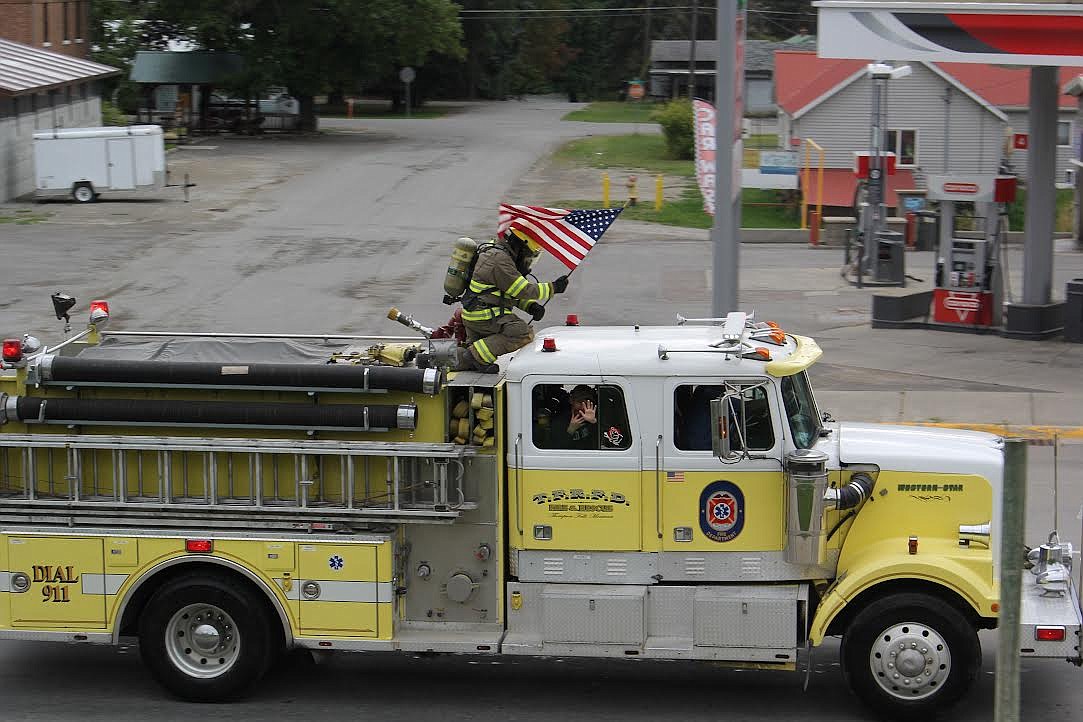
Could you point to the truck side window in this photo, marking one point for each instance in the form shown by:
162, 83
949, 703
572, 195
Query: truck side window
692, 418
582, 417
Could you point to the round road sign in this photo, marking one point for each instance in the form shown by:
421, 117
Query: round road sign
407, 74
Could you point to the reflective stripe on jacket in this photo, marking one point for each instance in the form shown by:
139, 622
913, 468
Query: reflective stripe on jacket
497, 285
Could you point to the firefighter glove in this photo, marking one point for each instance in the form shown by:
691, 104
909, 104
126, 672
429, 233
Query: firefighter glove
537, 311
561, 284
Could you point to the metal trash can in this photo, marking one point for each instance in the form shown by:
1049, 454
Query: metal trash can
928, 233
1073, 311
890, 258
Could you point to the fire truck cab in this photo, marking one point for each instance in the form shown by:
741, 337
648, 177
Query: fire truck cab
635, 492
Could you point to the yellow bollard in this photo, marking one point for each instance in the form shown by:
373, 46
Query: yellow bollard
605, 190
658, 193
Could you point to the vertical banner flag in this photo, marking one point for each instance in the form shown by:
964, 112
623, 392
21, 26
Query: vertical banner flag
703, 119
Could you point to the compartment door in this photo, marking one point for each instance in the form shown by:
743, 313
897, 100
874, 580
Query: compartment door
708, 506
578, 494
338, 590
67, 582
121, 164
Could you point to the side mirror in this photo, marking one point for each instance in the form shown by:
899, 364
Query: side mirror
721, 430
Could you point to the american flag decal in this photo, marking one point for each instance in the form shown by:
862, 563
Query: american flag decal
674, 476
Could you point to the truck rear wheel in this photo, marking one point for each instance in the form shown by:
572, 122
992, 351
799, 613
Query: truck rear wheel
206, 639
83, 192
909, 654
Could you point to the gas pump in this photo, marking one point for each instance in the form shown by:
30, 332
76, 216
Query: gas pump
969, 282
881, 259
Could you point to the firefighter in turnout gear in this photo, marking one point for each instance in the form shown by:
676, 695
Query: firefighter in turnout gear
498, 286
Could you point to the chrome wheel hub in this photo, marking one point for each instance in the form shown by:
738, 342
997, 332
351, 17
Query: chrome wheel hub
910, 660
202, 641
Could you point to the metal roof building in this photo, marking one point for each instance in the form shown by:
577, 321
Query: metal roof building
195, 67
41, 90
24, 69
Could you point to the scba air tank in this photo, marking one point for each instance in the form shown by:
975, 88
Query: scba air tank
458, 270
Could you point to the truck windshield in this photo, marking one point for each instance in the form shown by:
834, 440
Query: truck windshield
801, 411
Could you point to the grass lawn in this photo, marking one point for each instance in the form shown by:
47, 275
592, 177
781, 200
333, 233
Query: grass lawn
688, 210
767, 141
614, 112
1017, 210
23, 217
642, 152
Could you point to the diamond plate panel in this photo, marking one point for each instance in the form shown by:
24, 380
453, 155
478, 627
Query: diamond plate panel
746, 616
579, 613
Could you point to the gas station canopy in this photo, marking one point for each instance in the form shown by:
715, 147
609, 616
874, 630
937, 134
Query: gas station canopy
1034, 33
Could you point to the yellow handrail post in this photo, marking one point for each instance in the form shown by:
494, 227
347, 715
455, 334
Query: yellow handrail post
605, 190
807, 175
658, 193
804, 195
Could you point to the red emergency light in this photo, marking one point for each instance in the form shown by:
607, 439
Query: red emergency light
572, 320
99, 305
13, 350
549, 344
1049, 634
199, 546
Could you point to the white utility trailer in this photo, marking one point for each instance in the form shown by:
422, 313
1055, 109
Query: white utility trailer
83, 162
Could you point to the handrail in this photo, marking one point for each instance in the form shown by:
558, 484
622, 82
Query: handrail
518, 495
289, 336
807, 171
658, 486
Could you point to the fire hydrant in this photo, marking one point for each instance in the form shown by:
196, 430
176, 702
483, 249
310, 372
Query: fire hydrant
632, 190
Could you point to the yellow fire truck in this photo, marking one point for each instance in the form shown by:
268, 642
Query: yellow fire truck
633, 492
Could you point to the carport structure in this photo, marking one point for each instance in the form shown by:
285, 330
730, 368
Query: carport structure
1040, 35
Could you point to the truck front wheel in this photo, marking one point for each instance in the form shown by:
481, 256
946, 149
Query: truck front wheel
909, 654
205, 638
83, 192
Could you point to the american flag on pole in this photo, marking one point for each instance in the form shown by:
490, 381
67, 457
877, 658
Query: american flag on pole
567, 234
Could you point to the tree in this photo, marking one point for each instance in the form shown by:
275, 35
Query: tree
313, 46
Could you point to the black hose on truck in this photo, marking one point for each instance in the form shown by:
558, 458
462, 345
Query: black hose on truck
62, 370
858, 490
30, 409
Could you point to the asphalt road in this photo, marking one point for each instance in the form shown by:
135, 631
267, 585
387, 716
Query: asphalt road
322, 235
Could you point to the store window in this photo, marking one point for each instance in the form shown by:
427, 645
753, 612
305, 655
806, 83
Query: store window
1064, 132
904, 144
583, 417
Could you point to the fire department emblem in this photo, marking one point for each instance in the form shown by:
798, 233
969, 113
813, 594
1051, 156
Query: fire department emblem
336, 562
721, 511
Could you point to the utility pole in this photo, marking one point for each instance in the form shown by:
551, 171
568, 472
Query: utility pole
692, 50
729, 107
646, 40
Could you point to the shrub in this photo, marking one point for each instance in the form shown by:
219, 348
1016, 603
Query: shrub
112, 115
675, 118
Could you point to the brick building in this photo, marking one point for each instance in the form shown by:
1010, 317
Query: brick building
60, 26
